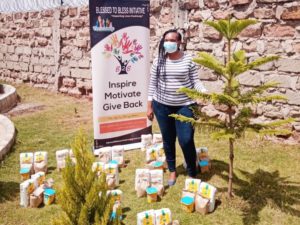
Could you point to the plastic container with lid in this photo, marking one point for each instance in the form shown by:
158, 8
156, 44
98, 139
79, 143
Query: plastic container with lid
151, 194
188, 204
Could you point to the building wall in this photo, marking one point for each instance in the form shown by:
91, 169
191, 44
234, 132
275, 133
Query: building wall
51, 48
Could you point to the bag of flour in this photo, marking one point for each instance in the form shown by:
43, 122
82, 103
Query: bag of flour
117, 154
163, 216
157, 181
36, 198
26, 161
112, 169
157, 138
26, 188
201, 204
151, 154
104, 154
192, 185
61, 156
208, 191
40, 161
146, 141
146, 218
38, 179
142, 181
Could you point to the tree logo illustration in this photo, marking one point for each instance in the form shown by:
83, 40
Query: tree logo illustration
126, 51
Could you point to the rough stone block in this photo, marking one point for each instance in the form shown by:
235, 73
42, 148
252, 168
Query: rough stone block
249, 79
291, 13
65, 71
47, 32
283, 80
86, 84
264, 13
188, 4
288, 65
293, 97
240, 2
81, 43
37, 68
155, 6
254, 31
84, 63
278, 30
69, 82
72, 12
81, 73
78, 23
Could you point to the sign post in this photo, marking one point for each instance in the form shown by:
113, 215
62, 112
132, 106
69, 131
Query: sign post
120, 71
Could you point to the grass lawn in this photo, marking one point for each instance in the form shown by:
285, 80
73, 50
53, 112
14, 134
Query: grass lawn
266, 182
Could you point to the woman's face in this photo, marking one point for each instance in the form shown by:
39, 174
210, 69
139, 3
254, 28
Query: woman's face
172, 37
171, 43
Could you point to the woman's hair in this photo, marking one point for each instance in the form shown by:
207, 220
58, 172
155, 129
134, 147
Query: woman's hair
161, 61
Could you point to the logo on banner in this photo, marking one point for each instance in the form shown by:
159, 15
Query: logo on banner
124, 50
103, 24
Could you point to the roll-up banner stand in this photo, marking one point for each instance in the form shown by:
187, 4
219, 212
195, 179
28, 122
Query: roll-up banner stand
120, 71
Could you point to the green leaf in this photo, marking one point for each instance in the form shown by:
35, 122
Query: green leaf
239, 56
210, 62
260, 61
222, 135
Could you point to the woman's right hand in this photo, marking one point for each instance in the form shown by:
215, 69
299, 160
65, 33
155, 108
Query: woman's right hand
150, 113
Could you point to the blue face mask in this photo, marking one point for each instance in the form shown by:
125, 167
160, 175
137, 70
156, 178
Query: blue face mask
170, 47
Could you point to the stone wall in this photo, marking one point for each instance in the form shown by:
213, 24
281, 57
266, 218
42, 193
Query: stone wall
51, 49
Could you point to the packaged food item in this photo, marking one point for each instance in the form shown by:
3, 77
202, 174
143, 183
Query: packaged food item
61, 156
25, 173
209, 192
40, 161
201, 204
163, 216
38, 179
157, 181
151, 154
112, 174
142, 181
146, 218
36, 198
192, 185
204, 166
49, 196
188, 204
26, 188
146, 141
202, 152
151, 194
104, 154
157, 138
118, 155
26, 161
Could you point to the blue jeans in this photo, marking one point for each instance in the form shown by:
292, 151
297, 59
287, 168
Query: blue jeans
170, 128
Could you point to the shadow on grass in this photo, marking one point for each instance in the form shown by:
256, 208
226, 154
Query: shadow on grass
258, 190
268, 188
8, 191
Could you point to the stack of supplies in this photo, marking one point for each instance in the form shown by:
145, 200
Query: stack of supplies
156, 217
199, 196
151, 179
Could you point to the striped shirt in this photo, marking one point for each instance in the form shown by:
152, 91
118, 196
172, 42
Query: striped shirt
179, 73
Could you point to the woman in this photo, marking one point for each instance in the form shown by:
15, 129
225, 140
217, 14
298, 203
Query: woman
172, 70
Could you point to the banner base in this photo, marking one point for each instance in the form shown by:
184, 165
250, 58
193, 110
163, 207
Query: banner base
133, 146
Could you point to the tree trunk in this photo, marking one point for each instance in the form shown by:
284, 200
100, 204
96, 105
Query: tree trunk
230, 175
123, 68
